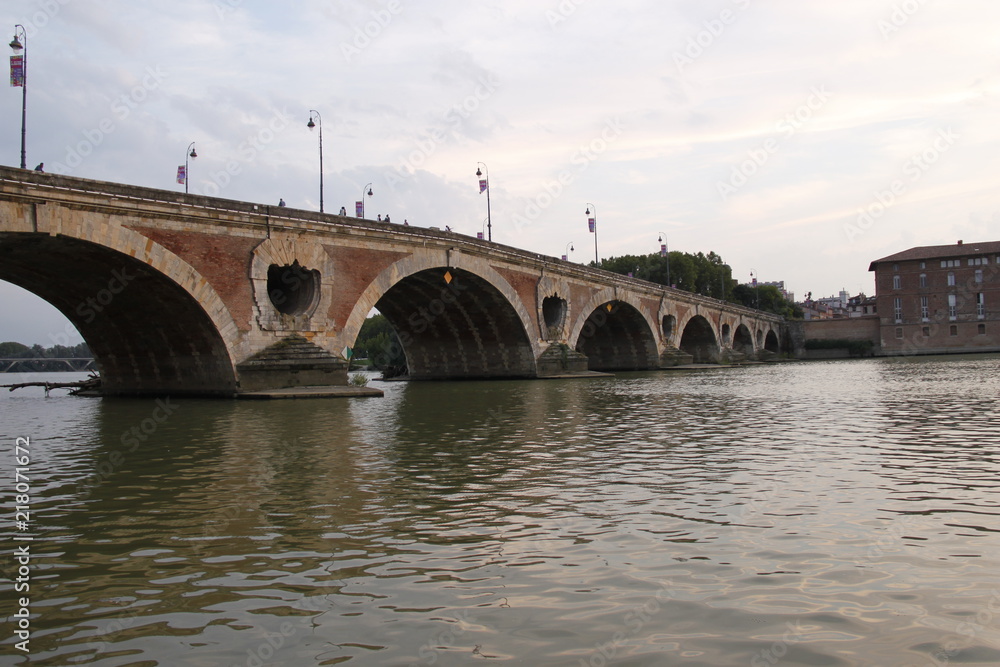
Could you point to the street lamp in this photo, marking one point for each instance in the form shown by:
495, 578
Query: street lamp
369, 193
484, 184
593, 227
753, 279
20, 78
190, 152
569, 249
665, 252
311, 125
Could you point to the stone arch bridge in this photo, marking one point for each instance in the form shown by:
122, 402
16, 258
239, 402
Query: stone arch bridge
180, 293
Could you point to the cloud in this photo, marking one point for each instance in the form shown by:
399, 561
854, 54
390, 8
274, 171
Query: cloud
431, 90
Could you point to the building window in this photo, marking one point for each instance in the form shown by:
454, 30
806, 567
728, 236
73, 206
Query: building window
923, 280
897, 307
952, 307
981, 305
925, 310
953, 330
895, 282
923, 265
982, 329
950, 263
895, 267
951, 279
899, 332
926, 331
979, 275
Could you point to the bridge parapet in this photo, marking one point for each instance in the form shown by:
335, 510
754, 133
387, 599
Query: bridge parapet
177, 292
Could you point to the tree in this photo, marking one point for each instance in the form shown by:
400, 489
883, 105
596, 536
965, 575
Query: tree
378, 341
698, 273
767, 298
11, 349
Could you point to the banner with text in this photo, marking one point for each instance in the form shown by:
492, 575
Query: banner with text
17, 71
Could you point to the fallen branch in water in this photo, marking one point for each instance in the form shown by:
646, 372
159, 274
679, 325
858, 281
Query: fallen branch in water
92, 382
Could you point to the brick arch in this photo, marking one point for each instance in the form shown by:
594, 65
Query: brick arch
475, 326
154, 324
743, 339
582, 312
621, 338
772, 340
683, 323
700, 338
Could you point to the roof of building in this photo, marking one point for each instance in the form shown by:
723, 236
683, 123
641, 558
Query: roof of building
959, 249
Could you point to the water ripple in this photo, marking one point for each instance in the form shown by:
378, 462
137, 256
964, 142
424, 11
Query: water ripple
831, 513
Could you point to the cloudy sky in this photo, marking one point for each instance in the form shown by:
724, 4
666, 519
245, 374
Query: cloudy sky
796, 139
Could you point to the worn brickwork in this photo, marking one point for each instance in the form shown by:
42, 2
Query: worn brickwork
222, 259
354, 270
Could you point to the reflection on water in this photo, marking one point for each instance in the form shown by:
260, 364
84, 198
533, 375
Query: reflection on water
830, 513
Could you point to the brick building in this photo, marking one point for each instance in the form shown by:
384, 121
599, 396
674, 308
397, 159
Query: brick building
937, 299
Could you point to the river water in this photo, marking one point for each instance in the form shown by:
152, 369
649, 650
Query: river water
824, 513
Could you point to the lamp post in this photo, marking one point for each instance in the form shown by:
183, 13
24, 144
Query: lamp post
593, 227
189, 153
17, 45
753, 280
665, 252
311, 125
484, 184
367, 188
569, 249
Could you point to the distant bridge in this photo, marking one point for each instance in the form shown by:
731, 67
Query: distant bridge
178, 293
73, 364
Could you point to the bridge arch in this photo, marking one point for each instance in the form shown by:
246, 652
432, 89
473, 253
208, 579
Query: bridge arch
454, 322
771, 343
743, 340
615, 336
153, 323
700, 341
